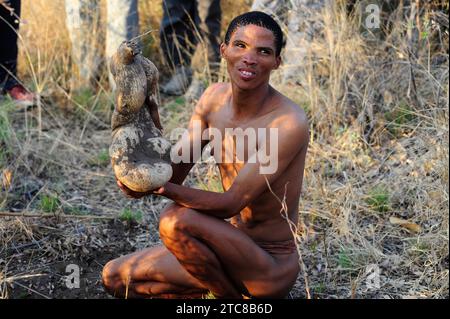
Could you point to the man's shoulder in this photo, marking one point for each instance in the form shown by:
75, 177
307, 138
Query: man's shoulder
290, 115
292, 124
212, 96
214, 91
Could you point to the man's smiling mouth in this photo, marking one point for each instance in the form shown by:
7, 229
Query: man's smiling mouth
247, 74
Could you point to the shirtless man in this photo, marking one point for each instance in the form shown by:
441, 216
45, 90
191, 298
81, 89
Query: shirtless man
237, 242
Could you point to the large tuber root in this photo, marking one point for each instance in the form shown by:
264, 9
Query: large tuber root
140, 156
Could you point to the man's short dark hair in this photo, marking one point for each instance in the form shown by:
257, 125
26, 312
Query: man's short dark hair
260, 19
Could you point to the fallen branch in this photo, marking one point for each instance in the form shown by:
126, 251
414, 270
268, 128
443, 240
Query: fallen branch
15, 278
34, 215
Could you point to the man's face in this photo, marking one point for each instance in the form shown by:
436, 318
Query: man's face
250, 56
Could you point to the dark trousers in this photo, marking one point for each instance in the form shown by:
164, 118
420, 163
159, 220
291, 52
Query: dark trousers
9, 26
183, 22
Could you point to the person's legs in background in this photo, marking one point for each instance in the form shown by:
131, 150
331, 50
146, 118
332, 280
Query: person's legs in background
209, 15
178, 42
82, 21
122, 24
9, 26
83, 17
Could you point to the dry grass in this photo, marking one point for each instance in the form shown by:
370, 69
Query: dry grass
379, 149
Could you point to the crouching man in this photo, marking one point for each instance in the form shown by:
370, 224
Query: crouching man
236, 243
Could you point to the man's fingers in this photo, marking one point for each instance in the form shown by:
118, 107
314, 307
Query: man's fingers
125, 189
159, 191
128, 192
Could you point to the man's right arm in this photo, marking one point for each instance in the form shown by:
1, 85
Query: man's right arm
187, 141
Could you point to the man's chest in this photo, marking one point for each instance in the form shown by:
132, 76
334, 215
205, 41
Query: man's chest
237, 140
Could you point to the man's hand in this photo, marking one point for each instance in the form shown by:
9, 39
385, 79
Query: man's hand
132, 194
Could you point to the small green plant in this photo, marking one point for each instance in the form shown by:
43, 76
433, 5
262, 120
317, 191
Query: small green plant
398, 118
129, 216
379, 199
313, 246
83, 97
176, 105
74, 210
319, 288
419, 248
101, 159
49, 203
180, 100
5, 132
344, 259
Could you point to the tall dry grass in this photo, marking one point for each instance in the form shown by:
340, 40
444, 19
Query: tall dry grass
378, 109
379, 149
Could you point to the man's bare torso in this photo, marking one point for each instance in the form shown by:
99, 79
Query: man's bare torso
262, 219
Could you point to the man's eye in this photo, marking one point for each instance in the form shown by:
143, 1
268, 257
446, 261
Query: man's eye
240, 45
265, 52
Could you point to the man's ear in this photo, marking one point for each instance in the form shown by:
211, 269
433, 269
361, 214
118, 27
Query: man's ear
223, 46
277, 62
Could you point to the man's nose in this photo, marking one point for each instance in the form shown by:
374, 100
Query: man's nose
249, 59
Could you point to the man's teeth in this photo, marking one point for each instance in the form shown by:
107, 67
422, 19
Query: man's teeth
247, 73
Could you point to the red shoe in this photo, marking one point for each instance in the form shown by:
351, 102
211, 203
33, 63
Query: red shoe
21, 96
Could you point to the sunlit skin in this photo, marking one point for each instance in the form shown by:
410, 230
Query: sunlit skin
211, 239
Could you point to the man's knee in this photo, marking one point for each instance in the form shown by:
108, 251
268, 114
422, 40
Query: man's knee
175, 219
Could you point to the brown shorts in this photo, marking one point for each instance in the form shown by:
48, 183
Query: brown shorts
284, 247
